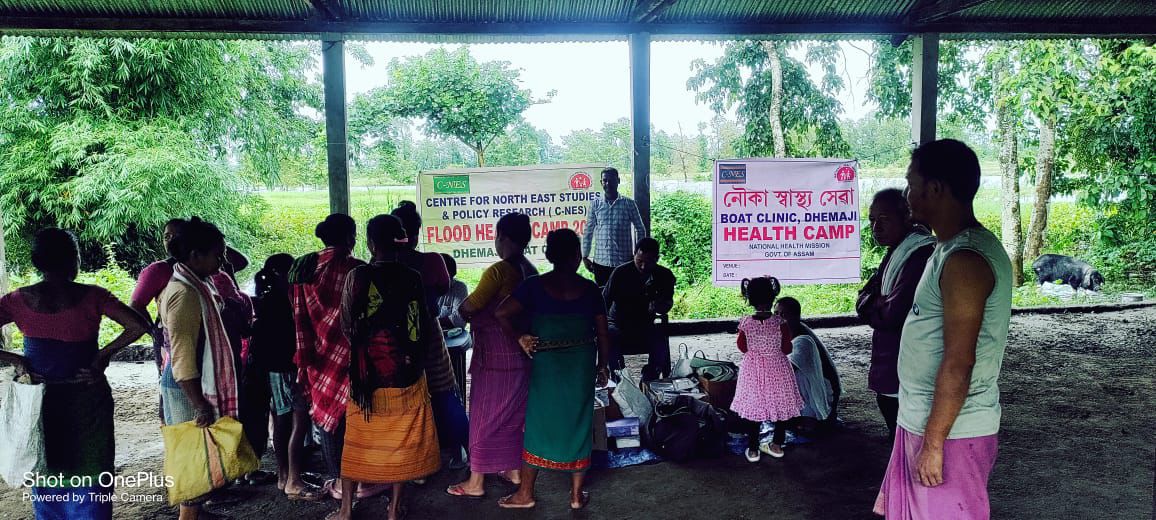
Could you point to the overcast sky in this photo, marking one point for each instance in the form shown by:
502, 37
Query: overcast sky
592, 80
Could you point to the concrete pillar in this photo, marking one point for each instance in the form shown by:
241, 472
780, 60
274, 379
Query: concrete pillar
924, 87
336, 147
640, 121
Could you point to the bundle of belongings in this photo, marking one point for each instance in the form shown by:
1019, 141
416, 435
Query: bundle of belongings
692, 408
678, 418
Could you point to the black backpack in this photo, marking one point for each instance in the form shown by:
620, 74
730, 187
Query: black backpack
684, 429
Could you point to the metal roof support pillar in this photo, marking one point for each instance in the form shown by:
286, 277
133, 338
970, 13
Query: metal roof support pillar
640, 121
336, 146
924, 87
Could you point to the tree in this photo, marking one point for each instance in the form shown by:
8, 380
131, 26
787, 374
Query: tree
1007, 115
457, 96
112, 137
523, 145
610, 145
957, 100
795, 118
1048, 76
1112, 144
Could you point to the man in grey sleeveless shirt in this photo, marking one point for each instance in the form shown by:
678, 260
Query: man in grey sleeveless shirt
951, 349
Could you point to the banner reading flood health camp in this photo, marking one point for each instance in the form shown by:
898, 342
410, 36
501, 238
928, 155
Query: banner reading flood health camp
460, 208
794, 219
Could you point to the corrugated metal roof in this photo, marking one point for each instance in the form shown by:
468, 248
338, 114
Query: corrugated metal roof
253, 9
475, 21
779, 11
1100, 10
511, 11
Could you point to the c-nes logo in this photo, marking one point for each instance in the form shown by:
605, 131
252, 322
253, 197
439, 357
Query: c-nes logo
580, 181
732, 174
448, 184
845, 174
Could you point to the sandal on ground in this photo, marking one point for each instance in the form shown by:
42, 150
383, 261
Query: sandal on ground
504, 503
753, 455
582, 503
458, 491
766, 448
260, 478
306, 494
332, 487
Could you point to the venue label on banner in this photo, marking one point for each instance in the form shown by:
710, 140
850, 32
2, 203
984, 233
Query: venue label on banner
460, 208
794, 219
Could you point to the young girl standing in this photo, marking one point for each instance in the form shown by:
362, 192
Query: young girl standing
766, 389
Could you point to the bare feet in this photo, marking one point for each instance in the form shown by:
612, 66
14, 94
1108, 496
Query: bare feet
512, 476
580, 501
516, 502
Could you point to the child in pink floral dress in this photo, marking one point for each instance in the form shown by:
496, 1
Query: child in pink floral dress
766, 388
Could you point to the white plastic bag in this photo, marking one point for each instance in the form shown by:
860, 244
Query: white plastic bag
630, 398
21, 432
682, 366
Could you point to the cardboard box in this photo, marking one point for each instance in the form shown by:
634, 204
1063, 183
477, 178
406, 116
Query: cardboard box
632, 441
599, 428
622, 427
719, 393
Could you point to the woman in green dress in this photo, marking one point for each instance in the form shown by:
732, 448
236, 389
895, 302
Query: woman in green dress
559, 318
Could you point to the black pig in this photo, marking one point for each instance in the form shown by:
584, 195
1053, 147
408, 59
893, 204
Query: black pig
1076, 273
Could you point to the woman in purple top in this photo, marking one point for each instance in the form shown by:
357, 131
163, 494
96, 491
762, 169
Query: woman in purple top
887, 297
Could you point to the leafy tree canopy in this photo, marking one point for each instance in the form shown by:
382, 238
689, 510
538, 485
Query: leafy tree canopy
457, 96
741, 79
112, 137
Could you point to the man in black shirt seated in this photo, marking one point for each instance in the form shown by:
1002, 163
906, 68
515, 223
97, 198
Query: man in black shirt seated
637, 293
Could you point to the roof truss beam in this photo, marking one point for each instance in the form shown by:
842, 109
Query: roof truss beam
930, 11
646, 11
308, 29
330, 10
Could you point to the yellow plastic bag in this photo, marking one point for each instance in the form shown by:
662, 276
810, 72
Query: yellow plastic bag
199, 460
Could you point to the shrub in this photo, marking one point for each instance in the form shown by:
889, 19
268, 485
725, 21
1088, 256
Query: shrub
681, 222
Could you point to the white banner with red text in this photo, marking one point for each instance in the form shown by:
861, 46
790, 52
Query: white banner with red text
794, 219
460, 208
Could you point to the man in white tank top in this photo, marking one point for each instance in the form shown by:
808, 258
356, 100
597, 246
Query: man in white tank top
951, 349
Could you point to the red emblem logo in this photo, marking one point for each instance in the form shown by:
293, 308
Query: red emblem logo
845, 174
580, 181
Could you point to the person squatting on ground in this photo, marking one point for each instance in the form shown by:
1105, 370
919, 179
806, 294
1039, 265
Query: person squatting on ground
951, 349
637, 292
766, 389
815, 373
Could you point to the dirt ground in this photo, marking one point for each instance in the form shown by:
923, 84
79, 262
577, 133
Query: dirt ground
1077, 441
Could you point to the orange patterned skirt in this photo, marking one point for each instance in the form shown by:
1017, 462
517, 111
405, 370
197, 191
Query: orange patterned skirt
399, 441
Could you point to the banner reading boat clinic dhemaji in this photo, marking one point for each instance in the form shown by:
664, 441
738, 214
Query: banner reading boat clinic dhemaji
794, 219
460, 208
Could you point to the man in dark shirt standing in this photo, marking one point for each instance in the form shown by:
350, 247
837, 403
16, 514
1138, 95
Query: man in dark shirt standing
636, 293
886, 299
